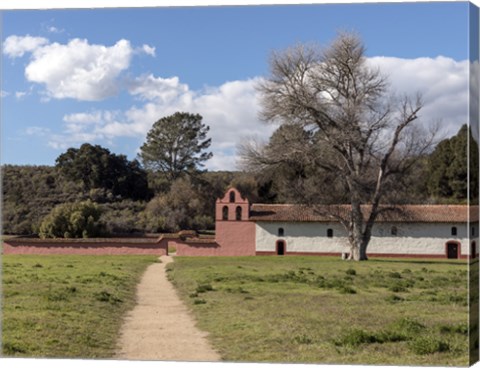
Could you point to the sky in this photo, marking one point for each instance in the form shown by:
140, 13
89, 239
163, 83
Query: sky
104, 76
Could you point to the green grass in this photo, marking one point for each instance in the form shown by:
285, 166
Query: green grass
67, 306
324, 310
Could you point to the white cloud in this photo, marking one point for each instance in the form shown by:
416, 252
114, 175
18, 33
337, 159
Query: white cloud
53, 29
37, 131
64, 141
164, 91
16, 46
84, 118
20, 95
149, 50
442, 83
79, 70
231, 110
3, 93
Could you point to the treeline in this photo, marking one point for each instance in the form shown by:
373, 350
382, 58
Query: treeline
31, 193
132, 199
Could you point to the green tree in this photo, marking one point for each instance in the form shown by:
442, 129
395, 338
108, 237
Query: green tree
448, 170
72, 220
97, 168
176, 144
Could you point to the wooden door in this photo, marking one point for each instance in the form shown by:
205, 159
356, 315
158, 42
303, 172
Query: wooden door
452, 250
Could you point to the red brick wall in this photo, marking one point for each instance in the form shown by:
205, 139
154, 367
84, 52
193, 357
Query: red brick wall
85, 248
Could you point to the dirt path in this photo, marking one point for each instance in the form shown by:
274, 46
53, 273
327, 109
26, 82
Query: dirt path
160, 326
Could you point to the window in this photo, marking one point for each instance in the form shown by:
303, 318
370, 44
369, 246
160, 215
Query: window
232, 196
225, 213
454, 231
394, 231
238, 213
473, 231
329, 233
281, 232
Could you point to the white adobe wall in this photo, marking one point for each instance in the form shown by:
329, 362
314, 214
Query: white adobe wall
420, 238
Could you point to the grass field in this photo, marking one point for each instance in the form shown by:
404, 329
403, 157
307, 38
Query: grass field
67, 306
324, 310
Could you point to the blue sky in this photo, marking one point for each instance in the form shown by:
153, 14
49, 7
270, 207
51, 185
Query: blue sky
105, 76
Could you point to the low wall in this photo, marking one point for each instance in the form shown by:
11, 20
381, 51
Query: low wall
110, 246
195, 248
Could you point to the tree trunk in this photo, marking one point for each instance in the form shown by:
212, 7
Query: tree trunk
358, 245
358, 252
362, 250
354, 253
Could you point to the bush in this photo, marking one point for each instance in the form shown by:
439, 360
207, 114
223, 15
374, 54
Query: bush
408, 326
428, 345
356, 337
397, 288
302, 339
105, 296
394, 298
72, 220
461, 329
347, 290
351, 272
204, 288
395, 275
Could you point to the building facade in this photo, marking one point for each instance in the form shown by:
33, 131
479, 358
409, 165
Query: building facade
433, 231
244, 229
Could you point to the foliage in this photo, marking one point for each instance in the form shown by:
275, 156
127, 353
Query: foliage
30, 193
122, 217
448, 170
97, 168
72, 220
183, 207
176, 144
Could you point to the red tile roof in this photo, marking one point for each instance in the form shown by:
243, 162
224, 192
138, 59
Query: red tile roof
405, 213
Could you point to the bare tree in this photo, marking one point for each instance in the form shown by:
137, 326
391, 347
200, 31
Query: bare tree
358, 135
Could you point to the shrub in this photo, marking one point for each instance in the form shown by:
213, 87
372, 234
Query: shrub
204, 288
460, 329
105, 296
13, 348
345, 289
390, 336
72, 220
302, 339
394, 275
356, 337
394, 298
351, 272
199, 301
408, 326
428, 345
57, 296
397, 288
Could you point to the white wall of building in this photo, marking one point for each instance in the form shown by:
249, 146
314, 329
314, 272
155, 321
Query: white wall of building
415, 238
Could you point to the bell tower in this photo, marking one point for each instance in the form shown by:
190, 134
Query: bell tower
232, 207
